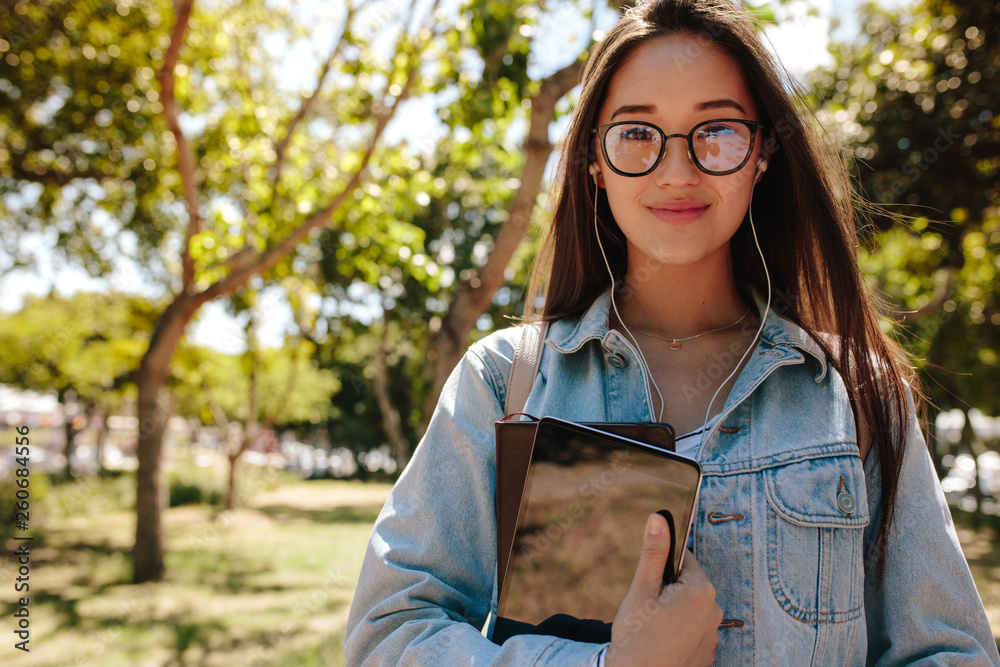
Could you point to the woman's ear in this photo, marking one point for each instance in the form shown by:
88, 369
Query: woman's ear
596, 174
767, 149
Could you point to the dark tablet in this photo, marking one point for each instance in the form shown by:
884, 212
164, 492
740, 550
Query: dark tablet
581, 521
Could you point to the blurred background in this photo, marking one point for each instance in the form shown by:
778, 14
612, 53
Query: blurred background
243, 244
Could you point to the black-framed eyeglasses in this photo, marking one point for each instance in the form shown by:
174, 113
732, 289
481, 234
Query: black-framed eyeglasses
718, 147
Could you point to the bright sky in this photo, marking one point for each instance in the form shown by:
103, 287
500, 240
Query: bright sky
800, 42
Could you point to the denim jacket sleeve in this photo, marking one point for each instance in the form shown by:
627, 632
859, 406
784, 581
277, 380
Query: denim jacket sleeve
427, 582
927, 611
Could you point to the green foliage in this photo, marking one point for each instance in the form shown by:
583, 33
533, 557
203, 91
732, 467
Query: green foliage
202, 376
350, 350
87, 344
81, 114
189, 484
186, 492
914, 97
79, 119
500, 32
422, 227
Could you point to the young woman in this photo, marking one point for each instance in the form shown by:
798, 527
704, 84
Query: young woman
700, 270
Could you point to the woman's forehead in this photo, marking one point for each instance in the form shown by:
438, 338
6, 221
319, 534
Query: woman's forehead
677, 75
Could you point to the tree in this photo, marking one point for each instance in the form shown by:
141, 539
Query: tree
443, 211
460, 212
243, 178
272, 230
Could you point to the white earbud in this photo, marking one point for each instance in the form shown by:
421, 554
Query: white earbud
594, 169
761, 168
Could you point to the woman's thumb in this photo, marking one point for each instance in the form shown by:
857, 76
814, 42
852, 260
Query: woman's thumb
653, 557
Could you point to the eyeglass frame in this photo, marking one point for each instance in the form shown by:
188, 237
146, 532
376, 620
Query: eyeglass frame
602, 132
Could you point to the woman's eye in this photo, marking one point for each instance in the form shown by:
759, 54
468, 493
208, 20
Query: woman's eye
637, 134
716, 131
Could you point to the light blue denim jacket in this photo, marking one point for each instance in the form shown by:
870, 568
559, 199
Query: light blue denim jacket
785, 521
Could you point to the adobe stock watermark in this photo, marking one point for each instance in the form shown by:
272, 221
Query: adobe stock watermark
928, 157
162, 410
944, 141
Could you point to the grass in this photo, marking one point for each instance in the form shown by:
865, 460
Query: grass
268, 584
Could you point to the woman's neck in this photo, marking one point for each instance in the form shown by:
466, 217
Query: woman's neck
680, 301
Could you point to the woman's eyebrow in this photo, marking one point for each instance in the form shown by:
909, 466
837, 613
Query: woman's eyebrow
724, 103
633, 108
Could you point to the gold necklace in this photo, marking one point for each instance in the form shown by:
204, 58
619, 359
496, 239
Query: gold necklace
675, 343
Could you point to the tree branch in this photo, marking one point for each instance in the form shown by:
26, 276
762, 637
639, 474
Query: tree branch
273, 255
52, 177
185, 154
473, 298
307, 104
945, 278
392, 422
537, 149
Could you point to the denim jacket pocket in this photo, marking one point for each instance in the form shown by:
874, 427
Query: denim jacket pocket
817, 512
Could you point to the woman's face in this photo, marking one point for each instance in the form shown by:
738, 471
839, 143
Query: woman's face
677, 215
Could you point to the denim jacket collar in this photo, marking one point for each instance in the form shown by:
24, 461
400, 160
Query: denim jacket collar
569, 335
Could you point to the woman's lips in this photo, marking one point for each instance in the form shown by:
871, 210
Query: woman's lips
678, 212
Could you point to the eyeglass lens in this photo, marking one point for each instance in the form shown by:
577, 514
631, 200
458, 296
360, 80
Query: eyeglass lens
634, 148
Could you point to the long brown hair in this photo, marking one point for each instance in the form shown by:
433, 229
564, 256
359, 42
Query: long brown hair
803, 200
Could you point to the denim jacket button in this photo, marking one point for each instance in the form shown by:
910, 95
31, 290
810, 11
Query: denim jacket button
846, 502
617, 360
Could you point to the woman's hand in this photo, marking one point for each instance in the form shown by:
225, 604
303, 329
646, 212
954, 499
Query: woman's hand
665, 625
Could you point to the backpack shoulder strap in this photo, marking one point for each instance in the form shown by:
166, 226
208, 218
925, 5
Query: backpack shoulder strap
523, 370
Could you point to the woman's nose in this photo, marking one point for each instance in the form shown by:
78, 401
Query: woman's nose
677, 166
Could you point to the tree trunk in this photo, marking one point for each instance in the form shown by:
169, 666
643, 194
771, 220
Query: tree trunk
391, 420
153, 413
234, 460
65, 397
102, 441
250, 427
965, 447
934, 443
448, 345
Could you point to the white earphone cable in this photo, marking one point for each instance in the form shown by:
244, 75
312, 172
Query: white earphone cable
638, 348
767, 309
614, 306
